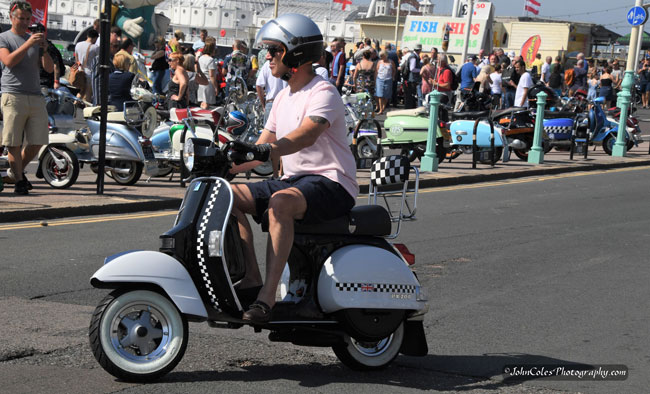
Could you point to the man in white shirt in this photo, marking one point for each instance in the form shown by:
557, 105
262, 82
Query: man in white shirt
546, 70
268, 87
525, 83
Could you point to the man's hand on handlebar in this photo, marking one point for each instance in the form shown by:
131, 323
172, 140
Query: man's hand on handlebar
242, 152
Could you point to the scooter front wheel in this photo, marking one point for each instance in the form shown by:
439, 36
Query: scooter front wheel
370, 355
138, 335
59, 177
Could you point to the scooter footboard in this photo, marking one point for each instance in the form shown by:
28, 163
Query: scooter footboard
364, 276
155, 268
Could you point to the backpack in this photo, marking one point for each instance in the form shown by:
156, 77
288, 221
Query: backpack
569, 77
455, 79
506, 75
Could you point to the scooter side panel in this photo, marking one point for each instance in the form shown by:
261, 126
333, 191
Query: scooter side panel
345, 281
157, 268
407, 129
463, 130
558, 129
121, 142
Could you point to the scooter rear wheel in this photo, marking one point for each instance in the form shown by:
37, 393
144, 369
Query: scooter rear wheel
130, 178
367, 356
138, 335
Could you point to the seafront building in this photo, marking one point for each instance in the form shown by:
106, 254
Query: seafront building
227, 20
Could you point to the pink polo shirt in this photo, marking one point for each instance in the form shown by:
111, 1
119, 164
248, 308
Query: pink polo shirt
330, 155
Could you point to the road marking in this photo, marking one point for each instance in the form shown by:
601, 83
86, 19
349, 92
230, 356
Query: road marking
64, 222
147, 215
530, 179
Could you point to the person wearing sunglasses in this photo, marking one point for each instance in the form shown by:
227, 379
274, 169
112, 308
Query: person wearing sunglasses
306, 128
23, 105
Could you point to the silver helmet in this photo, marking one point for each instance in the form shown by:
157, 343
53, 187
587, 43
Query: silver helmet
299, 35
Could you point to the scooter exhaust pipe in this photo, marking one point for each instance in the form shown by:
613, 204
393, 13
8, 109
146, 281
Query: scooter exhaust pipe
122, 171
517, 144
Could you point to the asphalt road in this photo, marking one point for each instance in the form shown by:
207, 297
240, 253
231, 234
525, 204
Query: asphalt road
547, 270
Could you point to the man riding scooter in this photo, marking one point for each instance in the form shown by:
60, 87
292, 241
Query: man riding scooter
306, 127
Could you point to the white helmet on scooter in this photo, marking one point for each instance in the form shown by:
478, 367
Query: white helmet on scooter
300, 36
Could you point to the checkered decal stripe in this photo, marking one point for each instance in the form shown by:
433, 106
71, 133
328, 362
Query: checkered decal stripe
557, 129
201, 239
375, 288
389, 170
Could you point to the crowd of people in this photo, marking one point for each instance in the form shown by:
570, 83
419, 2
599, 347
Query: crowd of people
505, 77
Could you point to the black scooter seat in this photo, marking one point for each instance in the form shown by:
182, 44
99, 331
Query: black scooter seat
371, 220
559, 114
469, 115
507, 111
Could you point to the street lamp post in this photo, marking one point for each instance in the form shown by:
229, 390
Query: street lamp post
430, 160
620, 148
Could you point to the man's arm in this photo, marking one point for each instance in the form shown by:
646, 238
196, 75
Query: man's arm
341, 75
46, 60
11, 59
304, 136
523, 98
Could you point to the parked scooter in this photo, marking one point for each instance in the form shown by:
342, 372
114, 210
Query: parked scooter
631, 126
604, 131
363, 128
128, 153
369, 305
57, 163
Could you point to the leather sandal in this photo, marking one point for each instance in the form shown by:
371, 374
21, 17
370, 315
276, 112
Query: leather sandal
258, 312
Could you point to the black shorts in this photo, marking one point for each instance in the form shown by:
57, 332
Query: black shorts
325, 198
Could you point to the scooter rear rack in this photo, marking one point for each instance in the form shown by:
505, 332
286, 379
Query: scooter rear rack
388, 173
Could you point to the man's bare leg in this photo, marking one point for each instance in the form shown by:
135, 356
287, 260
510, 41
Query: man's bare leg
242, 205
285, 206
16, 162
28, 154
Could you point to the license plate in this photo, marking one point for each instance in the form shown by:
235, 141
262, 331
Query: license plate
148, 153
150, 166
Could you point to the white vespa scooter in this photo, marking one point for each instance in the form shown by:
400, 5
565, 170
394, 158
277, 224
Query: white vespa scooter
367, 303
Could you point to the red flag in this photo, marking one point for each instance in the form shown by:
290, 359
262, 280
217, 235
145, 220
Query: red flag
533, 6
344, 2
39, 11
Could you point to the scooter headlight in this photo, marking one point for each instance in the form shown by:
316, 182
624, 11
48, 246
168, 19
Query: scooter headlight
188, 154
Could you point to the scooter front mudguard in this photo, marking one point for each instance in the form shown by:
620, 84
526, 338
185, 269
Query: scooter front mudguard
155, 268
364, 276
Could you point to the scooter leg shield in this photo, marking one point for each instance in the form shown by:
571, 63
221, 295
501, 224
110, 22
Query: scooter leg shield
149, 267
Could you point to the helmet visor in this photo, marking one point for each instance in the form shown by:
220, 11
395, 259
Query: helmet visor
272, 31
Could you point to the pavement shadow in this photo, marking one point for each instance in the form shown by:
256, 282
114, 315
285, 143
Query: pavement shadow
442, 373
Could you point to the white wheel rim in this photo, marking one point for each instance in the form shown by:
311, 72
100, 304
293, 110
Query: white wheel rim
372, 349
51, 173
140, 333
159, 346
